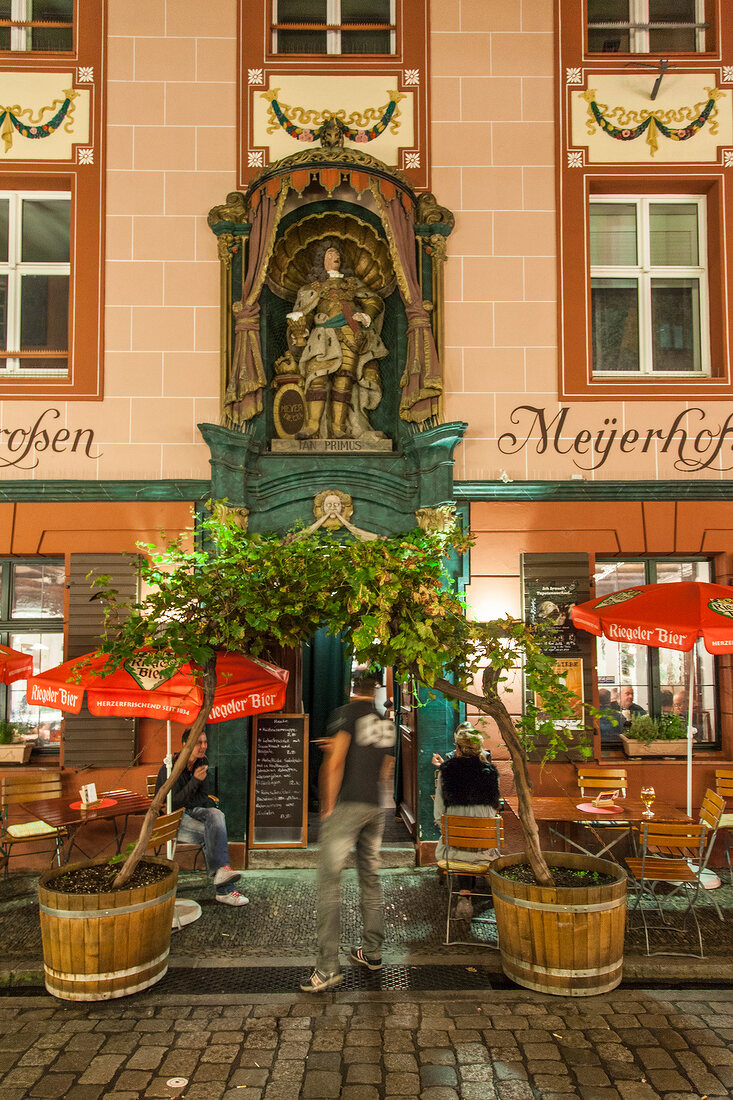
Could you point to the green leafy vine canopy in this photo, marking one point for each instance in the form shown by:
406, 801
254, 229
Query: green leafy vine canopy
391, 599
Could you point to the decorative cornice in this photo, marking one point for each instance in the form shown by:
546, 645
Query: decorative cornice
463, 491
341, 159
516, 491
40, 492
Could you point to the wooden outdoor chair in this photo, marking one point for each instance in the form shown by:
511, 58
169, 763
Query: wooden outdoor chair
711, 812
685, 848
468, 834
595, 779
724, 787
165, 830
16, 789
185, 846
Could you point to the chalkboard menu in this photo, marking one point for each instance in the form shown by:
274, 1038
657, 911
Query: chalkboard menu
278, 810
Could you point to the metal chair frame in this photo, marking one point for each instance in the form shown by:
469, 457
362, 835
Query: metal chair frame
667, 854
711, 811
185, 845
468, 834
16, 789
592, 780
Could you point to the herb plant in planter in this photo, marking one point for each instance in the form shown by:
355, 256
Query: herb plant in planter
662, 736
12, 751
390, 599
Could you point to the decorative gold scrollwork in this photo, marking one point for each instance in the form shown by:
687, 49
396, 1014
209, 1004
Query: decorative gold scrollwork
429, 212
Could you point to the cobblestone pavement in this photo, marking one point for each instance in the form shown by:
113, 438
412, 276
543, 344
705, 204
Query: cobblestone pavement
280, 921
495, 1045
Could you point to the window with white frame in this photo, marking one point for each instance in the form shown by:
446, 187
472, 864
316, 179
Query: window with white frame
635, 679
32, 621
37, 26
34, 283
333, 26
649, 285
646, 26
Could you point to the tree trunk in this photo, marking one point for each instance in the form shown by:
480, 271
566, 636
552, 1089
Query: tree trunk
494, 707
209, 685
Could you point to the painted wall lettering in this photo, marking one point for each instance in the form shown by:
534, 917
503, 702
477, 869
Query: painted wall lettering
23, 445
691, 435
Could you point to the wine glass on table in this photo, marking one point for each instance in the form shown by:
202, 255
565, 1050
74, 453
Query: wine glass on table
647, 797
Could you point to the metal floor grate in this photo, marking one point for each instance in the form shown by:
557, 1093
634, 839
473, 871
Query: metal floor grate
286, 979
397, 978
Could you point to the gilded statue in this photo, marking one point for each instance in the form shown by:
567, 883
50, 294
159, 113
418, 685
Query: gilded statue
334, 337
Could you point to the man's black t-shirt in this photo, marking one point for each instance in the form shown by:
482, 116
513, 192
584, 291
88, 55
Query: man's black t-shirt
372, 738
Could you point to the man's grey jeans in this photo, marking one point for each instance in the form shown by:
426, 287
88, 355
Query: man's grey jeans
359, 824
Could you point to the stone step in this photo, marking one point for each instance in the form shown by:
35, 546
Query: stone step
402, 855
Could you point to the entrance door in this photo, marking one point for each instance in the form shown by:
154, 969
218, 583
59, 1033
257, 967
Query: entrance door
406, 781
325, 687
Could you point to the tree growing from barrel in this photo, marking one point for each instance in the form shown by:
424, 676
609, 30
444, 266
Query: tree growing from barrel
392, 601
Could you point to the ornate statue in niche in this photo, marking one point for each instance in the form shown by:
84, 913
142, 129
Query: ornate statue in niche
334, 337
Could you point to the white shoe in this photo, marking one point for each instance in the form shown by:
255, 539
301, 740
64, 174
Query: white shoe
233, 898
224, 875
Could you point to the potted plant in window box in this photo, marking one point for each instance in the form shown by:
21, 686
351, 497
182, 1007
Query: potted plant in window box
12, 749
662, 736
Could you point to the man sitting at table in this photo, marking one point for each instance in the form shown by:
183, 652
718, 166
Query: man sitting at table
203, 822
626, 703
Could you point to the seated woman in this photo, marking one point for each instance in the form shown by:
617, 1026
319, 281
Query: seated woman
468, 785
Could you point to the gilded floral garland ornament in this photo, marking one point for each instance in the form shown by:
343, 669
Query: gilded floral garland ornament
331, 127
35, 128
630, 124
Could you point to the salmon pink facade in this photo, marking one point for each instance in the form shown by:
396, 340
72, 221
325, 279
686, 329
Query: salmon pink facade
537, 197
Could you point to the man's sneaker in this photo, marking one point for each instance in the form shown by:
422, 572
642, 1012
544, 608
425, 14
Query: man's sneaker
319, 982
233, 898
464, 908
224, 875
357, 954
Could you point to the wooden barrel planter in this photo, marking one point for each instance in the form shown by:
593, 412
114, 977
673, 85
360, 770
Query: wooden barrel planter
563, 940
100, 946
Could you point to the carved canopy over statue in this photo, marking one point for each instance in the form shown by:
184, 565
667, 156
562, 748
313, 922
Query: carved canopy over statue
336, 269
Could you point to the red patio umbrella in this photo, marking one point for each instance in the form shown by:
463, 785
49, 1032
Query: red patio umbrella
145, 688
150, 685
14, 665
666, 616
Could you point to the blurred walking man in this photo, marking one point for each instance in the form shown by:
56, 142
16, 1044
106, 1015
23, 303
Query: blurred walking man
359, 755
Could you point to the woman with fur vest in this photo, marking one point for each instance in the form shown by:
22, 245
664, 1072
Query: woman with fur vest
468, 786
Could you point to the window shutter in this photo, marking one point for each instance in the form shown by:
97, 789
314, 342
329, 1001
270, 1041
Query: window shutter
90, 741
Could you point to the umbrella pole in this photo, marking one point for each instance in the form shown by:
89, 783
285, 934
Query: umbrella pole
691, 681
170, 847
186, 910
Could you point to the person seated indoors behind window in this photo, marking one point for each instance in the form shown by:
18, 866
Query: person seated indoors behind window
680, 707
468, 785
203, 822
666, 700
610, 719
626, 703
